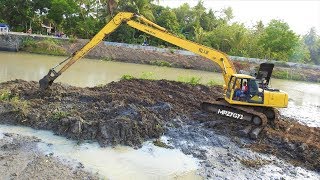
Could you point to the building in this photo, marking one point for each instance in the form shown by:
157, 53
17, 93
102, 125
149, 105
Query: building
4, 28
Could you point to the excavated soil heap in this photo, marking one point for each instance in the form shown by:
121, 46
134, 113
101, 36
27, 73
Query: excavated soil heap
126, 112
130, 112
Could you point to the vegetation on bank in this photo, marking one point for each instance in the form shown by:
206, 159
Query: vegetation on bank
192, 80
17, 104
51, 46
213, 28
47, 46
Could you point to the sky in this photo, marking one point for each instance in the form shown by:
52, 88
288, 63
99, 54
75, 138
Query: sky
301, 15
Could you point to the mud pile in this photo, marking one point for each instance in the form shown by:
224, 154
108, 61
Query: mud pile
125, 112
129, 112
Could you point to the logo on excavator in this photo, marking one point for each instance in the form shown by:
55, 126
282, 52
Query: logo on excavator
203, 51
230, 114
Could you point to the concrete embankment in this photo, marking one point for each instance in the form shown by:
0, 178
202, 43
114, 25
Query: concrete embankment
170, 57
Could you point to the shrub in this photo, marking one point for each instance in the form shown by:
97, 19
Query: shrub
147, 75
46, 46
212, 83
161, 63
59, 115
190, 80
126, 77
73, 39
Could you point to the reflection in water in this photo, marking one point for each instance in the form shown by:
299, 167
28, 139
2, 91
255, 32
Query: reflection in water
304, 97
148, 162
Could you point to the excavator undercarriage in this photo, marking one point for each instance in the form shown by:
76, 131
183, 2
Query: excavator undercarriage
256, 118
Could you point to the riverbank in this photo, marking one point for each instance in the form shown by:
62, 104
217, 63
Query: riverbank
109, 51
20, 158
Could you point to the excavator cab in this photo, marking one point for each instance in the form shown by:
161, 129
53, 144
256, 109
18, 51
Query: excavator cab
244, 88
254, 94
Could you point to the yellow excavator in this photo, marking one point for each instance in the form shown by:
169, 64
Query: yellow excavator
255, 104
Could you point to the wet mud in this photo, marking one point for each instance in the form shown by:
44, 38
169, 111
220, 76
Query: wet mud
21, 159
130, 112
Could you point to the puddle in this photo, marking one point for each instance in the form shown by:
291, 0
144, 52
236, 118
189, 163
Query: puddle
120, 162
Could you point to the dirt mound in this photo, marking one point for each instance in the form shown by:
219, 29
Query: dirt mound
125, 112
131, 111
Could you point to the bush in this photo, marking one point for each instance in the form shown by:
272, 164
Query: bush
46, 46
5, 95
59, 115
161, 63
147, 75
190, 80
212, 83
280, 74
126, 77
73, 39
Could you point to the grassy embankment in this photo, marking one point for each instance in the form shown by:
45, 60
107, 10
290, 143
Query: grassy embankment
47, 46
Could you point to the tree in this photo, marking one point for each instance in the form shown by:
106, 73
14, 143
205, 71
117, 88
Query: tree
168, 19
17, 13
279, 39
231, 39
312, 42
142, 7
301, 53
61, 10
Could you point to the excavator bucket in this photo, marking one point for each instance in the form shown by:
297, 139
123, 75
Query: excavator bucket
48, 79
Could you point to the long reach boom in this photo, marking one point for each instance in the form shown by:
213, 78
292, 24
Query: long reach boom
144, 25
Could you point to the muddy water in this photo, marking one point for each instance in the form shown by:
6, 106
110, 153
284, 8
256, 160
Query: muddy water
88, 72
304, 103
148, 162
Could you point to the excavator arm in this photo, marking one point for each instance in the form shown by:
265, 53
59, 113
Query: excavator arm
144, 25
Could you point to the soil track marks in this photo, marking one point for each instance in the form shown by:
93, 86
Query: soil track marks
129, 112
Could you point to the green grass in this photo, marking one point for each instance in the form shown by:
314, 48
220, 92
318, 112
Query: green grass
147, 75
193, 80
59, 115
161, 63
73, 39
17, 103
46, 46
284, 74
107, 59
5, 95
212, 83
126, 77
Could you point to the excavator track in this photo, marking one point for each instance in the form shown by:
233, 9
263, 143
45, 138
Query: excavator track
256, 117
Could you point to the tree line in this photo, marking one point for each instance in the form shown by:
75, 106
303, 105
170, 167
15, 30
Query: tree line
84, 18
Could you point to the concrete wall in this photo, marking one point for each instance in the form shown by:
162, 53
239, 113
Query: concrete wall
12, 41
